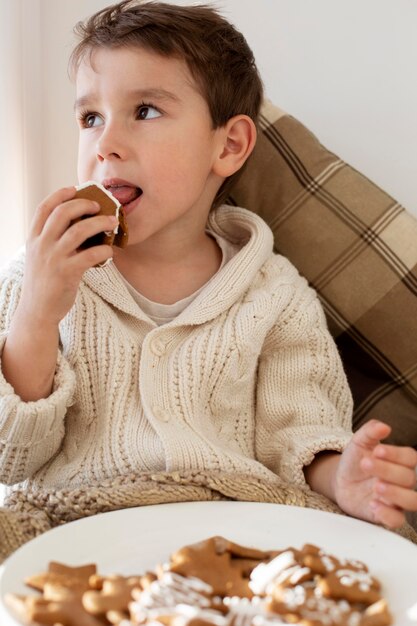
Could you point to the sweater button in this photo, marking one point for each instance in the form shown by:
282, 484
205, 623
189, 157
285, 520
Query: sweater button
161, 414
158, 347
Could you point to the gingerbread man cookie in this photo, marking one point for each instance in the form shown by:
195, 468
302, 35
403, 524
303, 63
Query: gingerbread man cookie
114, 595
57, 606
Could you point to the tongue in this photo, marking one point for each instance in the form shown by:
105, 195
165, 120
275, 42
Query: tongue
125, 194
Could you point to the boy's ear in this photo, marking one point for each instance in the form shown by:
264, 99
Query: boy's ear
238, 138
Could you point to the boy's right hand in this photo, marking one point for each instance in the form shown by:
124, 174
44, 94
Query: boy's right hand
54, 263
53, 270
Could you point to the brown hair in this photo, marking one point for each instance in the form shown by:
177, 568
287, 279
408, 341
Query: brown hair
218, 56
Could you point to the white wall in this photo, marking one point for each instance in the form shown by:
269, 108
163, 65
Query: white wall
16, 84
345, 69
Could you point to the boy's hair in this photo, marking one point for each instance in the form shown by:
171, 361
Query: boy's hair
217, 55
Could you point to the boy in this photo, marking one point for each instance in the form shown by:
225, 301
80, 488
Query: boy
197, 347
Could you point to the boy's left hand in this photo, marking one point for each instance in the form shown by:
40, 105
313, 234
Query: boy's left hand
375, 481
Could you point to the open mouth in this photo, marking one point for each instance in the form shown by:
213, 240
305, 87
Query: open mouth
125, 194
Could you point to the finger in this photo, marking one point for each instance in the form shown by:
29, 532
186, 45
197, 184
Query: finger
370, 434
401, 455
387, 515
389, 472
79, 232
97, 255
46, 207
396, 496
66, 213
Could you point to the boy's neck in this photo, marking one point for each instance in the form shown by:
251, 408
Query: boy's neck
167, 276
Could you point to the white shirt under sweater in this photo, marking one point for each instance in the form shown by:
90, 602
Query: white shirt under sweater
164, 313
246, 379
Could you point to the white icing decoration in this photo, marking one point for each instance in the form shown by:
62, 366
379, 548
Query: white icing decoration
264, 573
349, 578
169, 592
245, 611
207, 615
294, 597
293, 575
328, 611
352, 563
328, 563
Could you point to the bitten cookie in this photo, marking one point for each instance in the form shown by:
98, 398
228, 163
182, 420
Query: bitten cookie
109, 205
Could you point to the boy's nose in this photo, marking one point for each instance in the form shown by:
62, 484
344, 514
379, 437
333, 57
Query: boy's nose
109, 146
101, 156
106, 151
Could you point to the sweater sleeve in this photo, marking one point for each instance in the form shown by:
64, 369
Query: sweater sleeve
30, 432
304, 404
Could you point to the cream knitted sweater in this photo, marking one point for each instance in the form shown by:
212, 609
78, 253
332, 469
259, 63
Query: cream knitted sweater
246, 379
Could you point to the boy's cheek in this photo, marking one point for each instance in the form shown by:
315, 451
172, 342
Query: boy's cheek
86, 161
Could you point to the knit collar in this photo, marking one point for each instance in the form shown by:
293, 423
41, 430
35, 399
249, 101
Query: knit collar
235, 224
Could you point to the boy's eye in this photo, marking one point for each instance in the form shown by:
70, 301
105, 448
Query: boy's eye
147, 112
91, 120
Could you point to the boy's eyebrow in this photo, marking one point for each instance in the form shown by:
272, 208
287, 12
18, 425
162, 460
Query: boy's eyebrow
155, 93
145, 94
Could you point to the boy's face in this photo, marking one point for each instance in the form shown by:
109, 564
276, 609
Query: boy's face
146, 134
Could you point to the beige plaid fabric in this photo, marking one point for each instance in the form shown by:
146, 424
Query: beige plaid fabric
358, 248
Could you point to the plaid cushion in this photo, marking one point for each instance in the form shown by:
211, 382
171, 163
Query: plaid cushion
357, 247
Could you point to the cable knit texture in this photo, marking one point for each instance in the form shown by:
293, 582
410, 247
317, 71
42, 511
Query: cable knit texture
227, 401
246, 380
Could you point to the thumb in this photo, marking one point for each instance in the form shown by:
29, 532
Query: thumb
370, 434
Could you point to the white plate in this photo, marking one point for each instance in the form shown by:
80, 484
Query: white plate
132, 541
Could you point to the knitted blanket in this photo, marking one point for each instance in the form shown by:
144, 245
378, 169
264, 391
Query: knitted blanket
29, 513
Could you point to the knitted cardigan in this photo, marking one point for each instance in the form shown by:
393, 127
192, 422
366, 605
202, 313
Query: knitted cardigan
246, 380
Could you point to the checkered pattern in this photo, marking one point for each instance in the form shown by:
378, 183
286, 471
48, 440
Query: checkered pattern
358, 248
